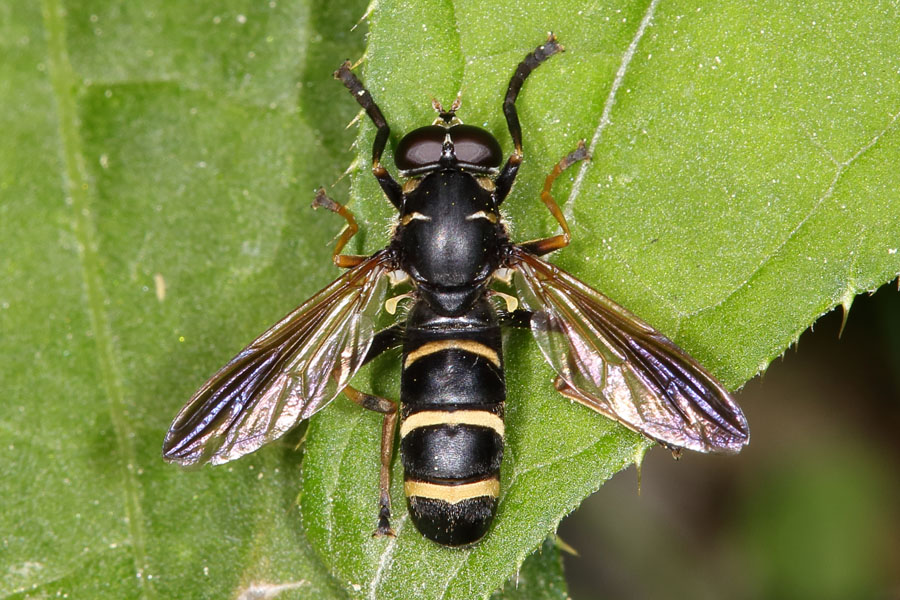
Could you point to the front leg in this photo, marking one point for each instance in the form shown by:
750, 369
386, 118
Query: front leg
390, 186
531, 61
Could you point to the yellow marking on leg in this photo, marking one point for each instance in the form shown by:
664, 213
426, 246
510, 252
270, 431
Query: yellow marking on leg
426, 418
476, 348
452, 494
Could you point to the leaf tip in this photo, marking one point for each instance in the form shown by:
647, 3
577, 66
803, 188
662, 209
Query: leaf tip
638, 458
846, 303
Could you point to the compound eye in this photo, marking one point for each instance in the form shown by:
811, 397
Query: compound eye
420, 148
475, 146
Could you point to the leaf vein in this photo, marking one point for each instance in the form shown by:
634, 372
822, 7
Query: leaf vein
608, 105
605, 121
840, 169
75, 182
385, 558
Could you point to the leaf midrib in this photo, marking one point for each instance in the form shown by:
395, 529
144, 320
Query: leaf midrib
75, 182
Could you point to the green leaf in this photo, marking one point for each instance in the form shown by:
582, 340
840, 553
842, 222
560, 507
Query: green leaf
722, 205
157, 167
540, 577
155, 181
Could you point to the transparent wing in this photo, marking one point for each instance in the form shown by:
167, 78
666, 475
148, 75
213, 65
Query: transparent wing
609, 360
285, 375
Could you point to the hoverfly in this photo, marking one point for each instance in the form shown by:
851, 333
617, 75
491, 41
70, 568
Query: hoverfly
450, 243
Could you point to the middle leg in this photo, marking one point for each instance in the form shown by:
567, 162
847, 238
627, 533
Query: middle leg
546, 245
345, 261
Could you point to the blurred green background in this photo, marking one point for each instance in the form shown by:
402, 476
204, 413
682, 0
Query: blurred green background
811, 509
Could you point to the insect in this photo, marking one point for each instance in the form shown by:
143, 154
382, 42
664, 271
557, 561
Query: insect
450, 244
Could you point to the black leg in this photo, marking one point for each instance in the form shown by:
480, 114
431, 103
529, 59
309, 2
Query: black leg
391, 188
507, 176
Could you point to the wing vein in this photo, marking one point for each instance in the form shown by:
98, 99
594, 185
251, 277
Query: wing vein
609, 360
286, 374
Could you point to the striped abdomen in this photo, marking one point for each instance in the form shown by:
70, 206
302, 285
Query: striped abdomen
452, 395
